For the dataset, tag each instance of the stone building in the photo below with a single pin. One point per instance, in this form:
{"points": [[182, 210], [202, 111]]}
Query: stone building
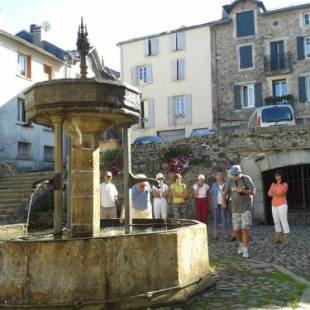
{"points": [[176, 92], [258, 57]]}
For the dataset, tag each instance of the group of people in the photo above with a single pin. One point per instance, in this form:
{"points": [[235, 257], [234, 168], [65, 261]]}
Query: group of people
{"points": [[230, 200]]}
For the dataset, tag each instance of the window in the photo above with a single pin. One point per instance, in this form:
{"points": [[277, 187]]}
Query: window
{"points": [[151, 47], [142, 75], [245, 24], [21, 113], [48, 153], [277, 55], [24, 150], [307, 18], [307, 47], [248, 96], [246, 57], [24, 65], [178, 69], [180, 107], [47, 72], [178, 41], [144, 113], [279, 88]]}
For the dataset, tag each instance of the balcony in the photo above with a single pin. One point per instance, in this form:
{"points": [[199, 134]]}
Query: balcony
{"points": [[274, 100], [281, 64]]}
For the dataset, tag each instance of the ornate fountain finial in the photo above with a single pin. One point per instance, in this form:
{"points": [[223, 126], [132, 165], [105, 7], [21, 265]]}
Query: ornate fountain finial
{"points": [[83, 48]]}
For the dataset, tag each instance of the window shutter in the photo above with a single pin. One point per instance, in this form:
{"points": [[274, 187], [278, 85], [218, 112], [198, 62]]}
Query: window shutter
{"points": [[173, 41], [181, 66], [245, 24], [149, 74], [171, 112], [28, 73], [146, 47], [181, 40], [237, 95], [188, 110], [246, 57], [300, 48], [155, 46], [174, 68], [134, 76], [302, 89], [258, 94], [151, 113]]}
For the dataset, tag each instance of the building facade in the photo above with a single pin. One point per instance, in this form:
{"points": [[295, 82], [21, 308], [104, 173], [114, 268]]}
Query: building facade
{"points": [[260, 57], [173, 72], [25, 59]]}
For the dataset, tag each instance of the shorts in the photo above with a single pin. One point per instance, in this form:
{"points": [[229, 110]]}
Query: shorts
{"points": [[242, 220]]}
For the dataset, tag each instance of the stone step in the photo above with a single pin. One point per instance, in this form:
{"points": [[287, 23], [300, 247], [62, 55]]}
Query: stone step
{"points": [[17, 195], [14, 200]]}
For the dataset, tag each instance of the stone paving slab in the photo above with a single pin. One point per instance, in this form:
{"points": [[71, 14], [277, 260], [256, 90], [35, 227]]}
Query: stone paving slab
{"points": [[275, 277]]}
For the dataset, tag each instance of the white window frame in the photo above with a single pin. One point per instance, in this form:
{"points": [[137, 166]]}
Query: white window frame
{"points": [[21, 111], [249, 99], [145, 116], [280, 81], [179, 104], [142, 75], [307, 55], [304, 18], [177, 39], [25, 69]]}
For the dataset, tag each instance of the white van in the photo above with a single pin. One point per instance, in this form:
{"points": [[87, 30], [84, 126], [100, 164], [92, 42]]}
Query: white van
{"points": [[273, 115]]}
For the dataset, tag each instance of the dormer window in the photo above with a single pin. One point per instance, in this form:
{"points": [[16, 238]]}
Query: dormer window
{"points": [[245, 24]]}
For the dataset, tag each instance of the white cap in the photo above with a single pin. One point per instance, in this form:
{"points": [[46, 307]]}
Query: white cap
{"points": [[108, 174], [159, 176], [201, 177]]}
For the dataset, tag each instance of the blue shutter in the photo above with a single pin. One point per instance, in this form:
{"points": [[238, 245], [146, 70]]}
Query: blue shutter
{"points": [[245, 24], [174, 70], [149, 74], [154, 46], [181, 69], [151, 113], [300, 48], [237, 95], [246, 57], [188, 109], [134, 76], [258, 94], [173, 42], [147, 47], [181, 40], [171, 112], [302, 89]]}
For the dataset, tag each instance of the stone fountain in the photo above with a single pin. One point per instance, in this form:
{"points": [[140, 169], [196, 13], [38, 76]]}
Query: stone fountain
{"points": [[92, 266]]}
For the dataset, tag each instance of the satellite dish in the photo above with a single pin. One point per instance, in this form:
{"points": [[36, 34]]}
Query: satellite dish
{"points": [[46, 26]]}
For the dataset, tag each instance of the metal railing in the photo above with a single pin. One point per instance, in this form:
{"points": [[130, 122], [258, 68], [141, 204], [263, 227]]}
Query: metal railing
{"points": [[280, 64]]}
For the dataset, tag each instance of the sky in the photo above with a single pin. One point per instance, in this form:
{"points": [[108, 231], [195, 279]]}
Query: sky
{"points": [[112, 21]]}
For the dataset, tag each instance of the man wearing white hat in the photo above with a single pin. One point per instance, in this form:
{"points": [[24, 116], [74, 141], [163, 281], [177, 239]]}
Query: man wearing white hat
{"points": [[108, 197], [160, 195]]}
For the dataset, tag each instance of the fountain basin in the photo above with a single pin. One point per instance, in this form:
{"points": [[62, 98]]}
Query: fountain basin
{"points": [[120, 271]]}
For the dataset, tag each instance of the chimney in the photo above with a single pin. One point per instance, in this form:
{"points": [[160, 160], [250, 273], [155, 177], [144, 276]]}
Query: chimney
{"points": [[36, 32]]}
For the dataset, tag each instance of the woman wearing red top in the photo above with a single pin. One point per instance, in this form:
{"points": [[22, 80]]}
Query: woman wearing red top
{"points": [[278, 191]]}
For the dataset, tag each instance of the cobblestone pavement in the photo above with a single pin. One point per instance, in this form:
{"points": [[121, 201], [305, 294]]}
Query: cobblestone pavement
{"points": [[254, 283]]}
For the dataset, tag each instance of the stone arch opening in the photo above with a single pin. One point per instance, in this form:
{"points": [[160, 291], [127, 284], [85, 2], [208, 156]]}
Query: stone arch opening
{"points": [[296, 164], [298, 179]]}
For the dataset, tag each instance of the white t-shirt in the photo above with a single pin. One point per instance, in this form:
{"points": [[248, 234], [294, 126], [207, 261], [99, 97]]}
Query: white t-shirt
{"points": [[220, 194], [107, 195], [202, 191], [161, 191]]}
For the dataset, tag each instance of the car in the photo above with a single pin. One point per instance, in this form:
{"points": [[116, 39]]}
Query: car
{"points": [[273, 115], [203, 132], [148, 140]]}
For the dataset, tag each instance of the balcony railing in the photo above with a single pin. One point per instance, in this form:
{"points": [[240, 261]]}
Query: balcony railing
{"points": [[278, 65]]}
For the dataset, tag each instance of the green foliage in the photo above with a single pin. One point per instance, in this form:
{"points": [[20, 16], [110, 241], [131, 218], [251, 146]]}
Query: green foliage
{"points": [[110, 157], [174, 151]]}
